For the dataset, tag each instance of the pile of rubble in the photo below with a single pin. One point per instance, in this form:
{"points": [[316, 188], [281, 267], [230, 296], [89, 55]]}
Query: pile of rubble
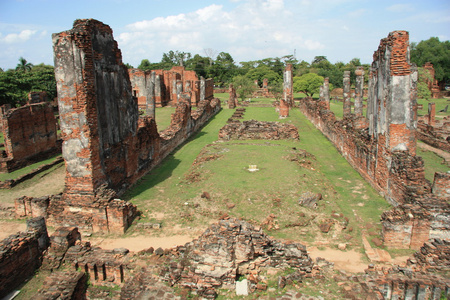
{"points": [[258, 130]]}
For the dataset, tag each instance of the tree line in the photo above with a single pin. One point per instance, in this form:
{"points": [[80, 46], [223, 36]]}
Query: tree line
{"points": [[15, 84]]}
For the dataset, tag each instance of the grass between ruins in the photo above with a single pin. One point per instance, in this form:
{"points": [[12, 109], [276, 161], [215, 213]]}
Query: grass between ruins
{"points": [[172, 193]]}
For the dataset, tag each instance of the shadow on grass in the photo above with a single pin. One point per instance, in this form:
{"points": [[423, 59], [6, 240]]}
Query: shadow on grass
{"points": [[166, 168], [162, 172]]}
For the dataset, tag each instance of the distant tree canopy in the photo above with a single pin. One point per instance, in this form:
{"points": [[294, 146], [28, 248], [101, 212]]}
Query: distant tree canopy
{"points": [[435, 52], [308, 84], [16, 84]]}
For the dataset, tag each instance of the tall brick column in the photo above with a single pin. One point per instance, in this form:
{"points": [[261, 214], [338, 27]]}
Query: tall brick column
{"points": [[431, 114], [288, 94], [392, 109], [359, 91], [98, 116], [326, 92], [232, 99], [347, 100]]}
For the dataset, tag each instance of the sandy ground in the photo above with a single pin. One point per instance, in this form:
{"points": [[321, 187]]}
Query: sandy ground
{"points": [[350, 260], [8, 228]]}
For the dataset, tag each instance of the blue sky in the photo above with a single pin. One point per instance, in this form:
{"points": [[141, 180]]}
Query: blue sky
{"points": [[247, 29]]}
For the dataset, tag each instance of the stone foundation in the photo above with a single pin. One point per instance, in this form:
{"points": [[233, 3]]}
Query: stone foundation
{"points": [[257, 130]]}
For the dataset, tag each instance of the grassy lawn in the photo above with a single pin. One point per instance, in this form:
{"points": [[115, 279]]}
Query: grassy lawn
{"points": [[174, 189], [433, 163], [163, 116], [26, 170], [440, 105]]}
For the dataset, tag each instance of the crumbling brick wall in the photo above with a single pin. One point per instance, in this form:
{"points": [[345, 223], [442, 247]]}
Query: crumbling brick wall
{"points": [[384, 151], [106, 147], [166, 90], [29, 132], [21, 255]]}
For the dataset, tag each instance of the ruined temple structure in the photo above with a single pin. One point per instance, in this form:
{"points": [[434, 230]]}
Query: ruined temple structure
{"points": [[433, 85], [30, 135], [382, 148], [106, 146], [159, 88]]}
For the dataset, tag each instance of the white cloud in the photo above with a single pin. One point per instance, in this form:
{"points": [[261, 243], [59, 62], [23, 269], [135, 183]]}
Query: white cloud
{"points": [[252, 30], [23, 36], [398, 8]]}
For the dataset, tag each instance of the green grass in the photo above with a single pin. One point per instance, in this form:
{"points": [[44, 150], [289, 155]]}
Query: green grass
{"points": [[2, 139], [440, 105], [174, 188], [163, 117], [27, 169], [433, 163]]}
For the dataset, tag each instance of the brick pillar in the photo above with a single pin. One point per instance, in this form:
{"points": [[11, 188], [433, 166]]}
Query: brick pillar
{"points": [[151, 96], [326, 92], [232, 99], [265, 83], [179, 87], [288, 94], [359, 91], [158, 99], [392, 106], [202, 88], [347, 100], [431, 114], [284, 109]]}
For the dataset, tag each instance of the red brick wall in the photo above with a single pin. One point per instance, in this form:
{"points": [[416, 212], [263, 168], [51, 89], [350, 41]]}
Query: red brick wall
{"points": [[104, 148], [29, 131]]}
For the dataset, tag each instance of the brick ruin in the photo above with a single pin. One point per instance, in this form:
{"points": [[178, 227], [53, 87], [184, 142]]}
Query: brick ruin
{"points": [[228, 250], [169, 87], [106, 146], [433, 85], [434, 132], [252, 129], [288, 93], [21, 255], [30, 135], [382, 146], [233, 100]]}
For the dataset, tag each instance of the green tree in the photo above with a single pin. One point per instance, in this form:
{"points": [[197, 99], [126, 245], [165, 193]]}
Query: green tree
{"points": [[145, 65], [261, 72], [23, 65], [176, 58], [200, 65], [276, 89], [436, 52], [223, 69], [15, 85], [308, 84], [244, 86], [129, 66]]}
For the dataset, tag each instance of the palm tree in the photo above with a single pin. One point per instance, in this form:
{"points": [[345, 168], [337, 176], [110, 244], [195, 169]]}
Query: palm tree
{"points": [[23, 65]]}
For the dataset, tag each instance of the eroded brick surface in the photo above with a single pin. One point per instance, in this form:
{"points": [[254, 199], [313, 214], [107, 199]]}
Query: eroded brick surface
{"points": [[21, 255], [29, 132], [382, 148]]}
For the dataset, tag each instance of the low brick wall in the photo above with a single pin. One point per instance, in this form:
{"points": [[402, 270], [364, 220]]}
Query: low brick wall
{"points": [[21, 255]]}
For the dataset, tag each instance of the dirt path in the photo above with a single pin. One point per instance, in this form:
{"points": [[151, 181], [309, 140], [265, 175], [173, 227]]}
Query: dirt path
{"points": [[8, 228], [350, 260]]}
